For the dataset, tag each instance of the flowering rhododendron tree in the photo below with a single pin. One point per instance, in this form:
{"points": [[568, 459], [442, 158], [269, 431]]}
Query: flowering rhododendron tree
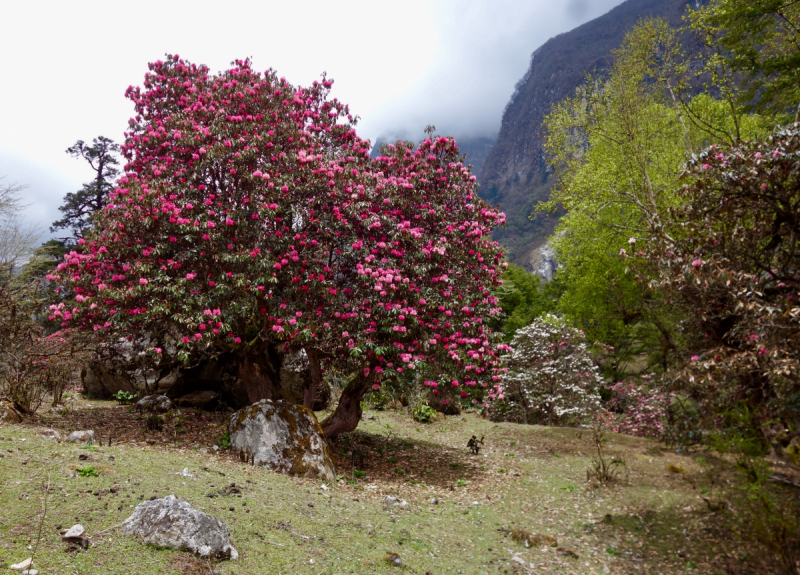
{"points": [[730, 259], [551, 378], [250, 220]]}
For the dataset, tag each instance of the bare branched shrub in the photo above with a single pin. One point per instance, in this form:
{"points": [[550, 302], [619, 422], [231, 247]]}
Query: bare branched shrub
{"points": [[33, 363], [604, 469]]}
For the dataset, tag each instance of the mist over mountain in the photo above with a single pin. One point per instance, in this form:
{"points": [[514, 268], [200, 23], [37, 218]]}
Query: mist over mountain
{"points": [[515, 173]]}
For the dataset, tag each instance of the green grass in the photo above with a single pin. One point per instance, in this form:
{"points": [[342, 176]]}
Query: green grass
{"points": [[350, 529]]}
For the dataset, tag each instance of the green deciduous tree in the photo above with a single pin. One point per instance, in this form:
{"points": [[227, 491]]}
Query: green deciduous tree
{"points": [[756, 43], [523, 298], [617, 148]]}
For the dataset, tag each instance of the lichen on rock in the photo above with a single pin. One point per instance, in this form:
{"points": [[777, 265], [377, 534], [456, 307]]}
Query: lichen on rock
{"points": [[173, 523], [283, 437]]}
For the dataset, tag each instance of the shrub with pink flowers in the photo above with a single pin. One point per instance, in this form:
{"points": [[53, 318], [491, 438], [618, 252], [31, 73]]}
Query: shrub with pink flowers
{"points": [[729, 260], [637, 407], [250, 220]]}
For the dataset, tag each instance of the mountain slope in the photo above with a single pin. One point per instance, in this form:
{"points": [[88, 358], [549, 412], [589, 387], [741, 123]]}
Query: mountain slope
{"points": [[515, 174]]}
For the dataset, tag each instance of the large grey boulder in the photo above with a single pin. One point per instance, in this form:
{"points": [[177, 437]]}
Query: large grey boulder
{"points": [[171, 522], [283, 437]]}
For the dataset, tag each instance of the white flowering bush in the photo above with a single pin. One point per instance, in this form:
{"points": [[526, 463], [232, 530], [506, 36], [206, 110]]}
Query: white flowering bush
{"points": [[550, 379]]}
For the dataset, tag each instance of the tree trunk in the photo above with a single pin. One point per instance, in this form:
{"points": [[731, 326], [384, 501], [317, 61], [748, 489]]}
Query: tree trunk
{"points": [[260, 373], [348, 412], [310, 392]]}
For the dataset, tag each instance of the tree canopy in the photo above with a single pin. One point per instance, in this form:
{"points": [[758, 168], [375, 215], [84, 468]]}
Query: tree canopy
{"points": [[81, 205], [251, 220]]}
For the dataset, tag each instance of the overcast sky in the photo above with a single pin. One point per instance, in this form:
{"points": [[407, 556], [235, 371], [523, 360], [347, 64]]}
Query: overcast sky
{"points": [[400, 65]]}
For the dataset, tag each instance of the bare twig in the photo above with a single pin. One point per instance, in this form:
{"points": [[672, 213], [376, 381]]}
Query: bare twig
{"points": [[41, 519]]}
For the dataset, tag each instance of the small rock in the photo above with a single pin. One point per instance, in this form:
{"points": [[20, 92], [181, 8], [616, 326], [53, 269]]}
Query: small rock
{"points": [[22, 564], [394, 559], [81, 436], [434, 501], [154, 404], [215, 448], [389, 500], [185, 472], [50, 434], [74, 531]]}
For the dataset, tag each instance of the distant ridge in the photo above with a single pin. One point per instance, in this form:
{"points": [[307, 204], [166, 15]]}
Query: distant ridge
{"points": [[515, 173]]}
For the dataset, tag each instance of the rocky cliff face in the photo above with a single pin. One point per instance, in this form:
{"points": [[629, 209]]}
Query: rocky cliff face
{"points": [[515, 173]]}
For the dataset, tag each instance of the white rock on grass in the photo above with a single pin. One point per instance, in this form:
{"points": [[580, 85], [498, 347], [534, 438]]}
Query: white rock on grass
{"points": [[389, 500], [171, 522], [22, 565], [74, 531], [81, 436], [283, 437]]}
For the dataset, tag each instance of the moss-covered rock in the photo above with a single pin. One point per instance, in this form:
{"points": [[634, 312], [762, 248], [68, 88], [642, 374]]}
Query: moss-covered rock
{"points": [[283, 437], [8, 414]]}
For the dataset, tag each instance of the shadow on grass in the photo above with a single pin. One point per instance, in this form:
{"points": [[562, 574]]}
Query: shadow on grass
{"points": [[694, 539], [403, 460]]}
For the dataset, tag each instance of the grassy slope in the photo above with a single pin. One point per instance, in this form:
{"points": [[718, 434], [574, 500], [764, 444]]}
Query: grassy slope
{"points": [[526, 476]]}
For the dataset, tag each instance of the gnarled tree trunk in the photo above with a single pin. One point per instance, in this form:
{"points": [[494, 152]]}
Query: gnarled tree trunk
{"points": [[348, 412], [260, 372], [310, 392]]}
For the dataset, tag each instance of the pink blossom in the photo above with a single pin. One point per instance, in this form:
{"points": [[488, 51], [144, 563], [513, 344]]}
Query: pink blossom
{"points": [[143, 281]]}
